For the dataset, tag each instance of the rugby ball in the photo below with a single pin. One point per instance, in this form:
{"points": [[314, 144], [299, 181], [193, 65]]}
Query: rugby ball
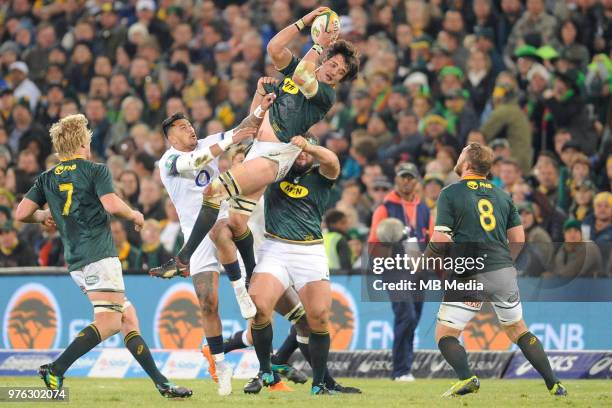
{"points": [[327, 22]]}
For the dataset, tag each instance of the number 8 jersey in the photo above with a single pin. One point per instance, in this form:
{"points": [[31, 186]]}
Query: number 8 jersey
{"points": [[477, 214], [73, 189]]}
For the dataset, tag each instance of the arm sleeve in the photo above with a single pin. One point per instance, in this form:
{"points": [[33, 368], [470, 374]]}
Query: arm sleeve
{"points": [[103, 181], [444, 216], [288, 70], [379, 214], [36, 193], [514, 219], [344, 253]]}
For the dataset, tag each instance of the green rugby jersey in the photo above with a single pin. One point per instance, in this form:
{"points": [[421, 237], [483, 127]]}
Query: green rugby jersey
{"points": [[292, 113], [73, 189], [477, 215], [294, 206]]}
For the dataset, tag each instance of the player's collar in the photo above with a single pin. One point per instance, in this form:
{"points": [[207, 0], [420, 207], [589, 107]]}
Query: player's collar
{"points": [[473, 178], [76, 156]]}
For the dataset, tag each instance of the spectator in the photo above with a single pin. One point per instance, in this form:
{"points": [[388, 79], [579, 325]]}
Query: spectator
{"points": [[171, 236], [153, 252], [13, 252], [576, 257], [95, 111], [480, 78], [51, 251], [597, 227], [459, 114], [432, 185], [508, 121], [582, 205], [569, 35], [130, 257], [534, 21], [37, 58], [510, 174], [336, 239], [22, 86], [129, 187], [150, 200], [538, 251]]}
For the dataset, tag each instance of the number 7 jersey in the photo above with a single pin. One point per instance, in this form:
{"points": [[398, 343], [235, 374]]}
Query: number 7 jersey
{"points": [[73, 189], [476, 213]]}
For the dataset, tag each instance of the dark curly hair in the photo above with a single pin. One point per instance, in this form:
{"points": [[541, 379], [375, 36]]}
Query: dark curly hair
{"points": [[350, 55]]}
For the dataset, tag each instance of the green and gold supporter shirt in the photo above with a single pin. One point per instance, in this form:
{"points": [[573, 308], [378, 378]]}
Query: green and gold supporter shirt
{"points": [[73, 189], [295, 206], [477, 215], [292, 113]]}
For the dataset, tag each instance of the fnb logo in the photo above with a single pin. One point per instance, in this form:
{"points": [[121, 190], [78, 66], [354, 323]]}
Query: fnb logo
{"points": [[32, 319], [343, 320], [293, 190], [60, 168], [178, 321]]}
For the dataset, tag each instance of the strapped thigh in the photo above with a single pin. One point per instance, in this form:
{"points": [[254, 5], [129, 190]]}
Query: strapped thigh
{"points": [[104, 306]]}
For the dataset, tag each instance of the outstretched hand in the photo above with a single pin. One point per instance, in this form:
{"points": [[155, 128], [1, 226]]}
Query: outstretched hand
{"points": [[309, 18], [267, 101], [300, 142], [243, 134]]}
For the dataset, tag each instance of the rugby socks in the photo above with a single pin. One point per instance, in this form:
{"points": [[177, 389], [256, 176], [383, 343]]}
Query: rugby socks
{"points": [[215, 344], [534, 352], [262, 340], [287, 348], [233, 271], [87, 339], [303, 344], [319, 343], [137, 346], [204, 223], [236, 342], [455, 355], [244, 244]]}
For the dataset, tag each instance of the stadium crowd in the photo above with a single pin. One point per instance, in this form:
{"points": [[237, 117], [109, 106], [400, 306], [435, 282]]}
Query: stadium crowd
{"points": [[531, 79]]}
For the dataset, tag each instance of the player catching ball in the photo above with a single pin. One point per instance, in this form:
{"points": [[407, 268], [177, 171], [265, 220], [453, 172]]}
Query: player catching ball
{"points": [[482, 219], [79, 194], [303, 98]]}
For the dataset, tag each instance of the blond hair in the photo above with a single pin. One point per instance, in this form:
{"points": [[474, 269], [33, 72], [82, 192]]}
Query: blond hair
{"points": [[69, 134]]}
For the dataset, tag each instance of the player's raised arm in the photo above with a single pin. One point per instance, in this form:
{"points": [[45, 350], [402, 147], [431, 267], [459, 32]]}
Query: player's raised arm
{"points": [[329, 163], [277, 47]]}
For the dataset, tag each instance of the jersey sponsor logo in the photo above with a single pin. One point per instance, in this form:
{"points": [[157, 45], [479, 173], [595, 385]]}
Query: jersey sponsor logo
{"points": [[483, 332], [290, 87], [472, 185], [293, 190], [32, 319], [178, 322], [202, 178], [344, 319], [60, 168], [92, 279]]}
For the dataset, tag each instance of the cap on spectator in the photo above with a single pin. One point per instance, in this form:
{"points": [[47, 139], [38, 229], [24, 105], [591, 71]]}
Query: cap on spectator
{"points": [[571, 144], [527, 51], [422, 41], [572, 223], [360, 94], [603, 197], [456, 93], [145, 5], [525, 207], [547, 53], [407, 169], [484, 32], [23, 101], [6, 91], [601, 59], [7, 211], [8, 226], [456, 71], [382, 182], [433, 118], [581, 159], [400, 89], [440, 49], [538, 69], [176, 10], [108, 7], [416, 78], [179, 66], [499, 143], [586, 184], [9, 46], [434, 177], [222, 46], [19, 66], [570, 77]]}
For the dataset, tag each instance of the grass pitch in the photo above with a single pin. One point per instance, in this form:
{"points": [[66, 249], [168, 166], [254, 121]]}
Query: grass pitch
{"points": [[107, 393]]}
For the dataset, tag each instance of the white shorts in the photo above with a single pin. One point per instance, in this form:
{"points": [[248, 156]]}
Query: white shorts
{"points": [[104, 275], [284, 154], [501, 289], [292, 264], [204, 258]]}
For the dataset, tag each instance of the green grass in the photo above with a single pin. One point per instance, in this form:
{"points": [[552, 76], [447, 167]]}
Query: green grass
{"points": [[107, 393]]}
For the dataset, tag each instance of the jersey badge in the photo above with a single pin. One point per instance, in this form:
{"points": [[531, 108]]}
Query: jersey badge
{"points": [[290, 87], [293, 190], [472, 185]]}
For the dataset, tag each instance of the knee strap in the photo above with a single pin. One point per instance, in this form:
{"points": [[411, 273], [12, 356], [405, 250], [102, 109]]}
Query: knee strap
{"points": [[242, 205], [295, 314], [104, 306], [229, 183]]}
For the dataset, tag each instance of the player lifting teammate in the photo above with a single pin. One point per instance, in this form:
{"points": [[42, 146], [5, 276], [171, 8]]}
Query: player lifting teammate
{"points": [[79, 194], [302, 99], [481, 218]]}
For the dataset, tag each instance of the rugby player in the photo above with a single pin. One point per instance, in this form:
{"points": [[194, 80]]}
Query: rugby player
{"points": [[79, 194], [185, 184], [481, 218], [293, 255], [303, 98]]}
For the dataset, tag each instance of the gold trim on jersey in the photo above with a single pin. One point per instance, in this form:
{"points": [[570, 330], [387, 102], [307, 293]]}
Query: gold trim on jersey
{"points": [[473, 178], [290, 241], [76, 156]]}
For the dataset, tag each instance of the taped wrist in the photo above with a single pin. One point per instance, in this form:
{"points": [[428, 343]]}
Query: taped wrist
{"points": [[259, 112], [317, 48], [299, 24]]}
